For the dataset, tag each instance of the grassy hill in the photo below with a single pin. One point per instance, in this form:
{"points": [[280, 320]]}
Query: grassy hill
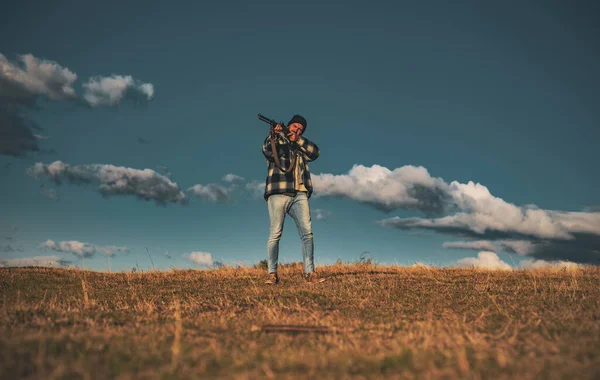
{"points": [[379, 321]]}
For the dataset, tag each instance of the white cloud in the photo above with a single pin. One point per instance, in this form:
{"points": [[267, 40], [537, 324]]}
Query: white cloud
{"points": [[580, 222], [147, 89], [233, 178], [110, 91], [470, 210], [40, 77], [36, 77], [322, 214], [413, 188], [543, 264], [535, 223], [37, 261], [211, 193], [145, 184], [200, 258], [485, 260], [81, 249], [30, 78], [487, 212], [521, 247], [477, 245], [421, 265], [408, 187], [75, 247], [58, 171]]}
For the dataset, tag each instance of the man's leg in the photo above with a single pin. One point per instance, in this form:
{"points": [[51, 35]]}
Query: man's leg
{"points": [[278, 204], [300, 212]]}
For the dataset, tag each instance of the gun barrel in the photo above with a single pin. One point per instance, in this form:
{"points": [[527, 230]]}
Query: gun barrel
{"points": [[266, 119], [284, 129]]}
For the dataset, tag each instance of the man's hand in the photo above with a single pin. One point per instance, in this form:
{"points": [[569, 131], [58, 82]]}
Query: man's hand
{"points": [[278, 130], [293, 136]]}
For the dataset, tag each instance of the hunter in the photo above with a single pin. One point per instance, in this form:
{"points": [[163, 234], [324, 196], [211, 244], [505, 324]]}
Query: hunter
{"points": [[288, 191]]}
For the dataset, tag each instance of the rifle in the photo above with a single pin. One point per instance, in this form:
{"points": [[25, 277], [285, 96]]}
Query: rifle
{"points": [[273, 123], [283, 136]]}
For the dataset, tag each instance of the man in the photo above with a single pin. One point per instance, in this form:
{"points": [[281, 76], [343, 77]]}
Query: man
{"points": [[288, 191]]}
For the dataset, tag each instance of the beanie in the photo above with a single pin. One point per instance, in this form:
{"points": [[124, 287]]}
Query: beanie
{"points": [[298, 119]]}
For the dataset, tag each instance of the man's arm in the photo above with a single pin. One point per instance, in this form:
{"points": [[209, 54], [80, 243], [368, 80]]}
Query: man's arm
{"points": [[309, 148]]}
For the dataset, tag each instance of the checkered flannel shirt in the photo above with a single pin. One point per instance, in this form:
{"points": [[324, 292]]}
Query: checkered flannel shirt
{"points": [[278, 182]]}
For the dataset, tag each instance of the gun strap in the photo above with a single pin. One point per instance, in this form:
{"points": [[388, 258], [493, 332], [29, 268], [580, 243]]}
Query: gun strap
{"points": [[277, 162]]}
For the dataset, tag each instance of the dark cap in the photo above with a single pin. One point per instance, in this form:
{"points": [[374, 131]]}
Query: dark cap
{"points": [[298, 119]]}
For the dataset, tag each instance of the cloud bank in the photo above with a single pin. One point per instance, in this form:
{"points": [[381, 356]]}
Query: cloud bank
{"points": [[30, 79], [521, 247], [477, 245], [144, 184], [408, 187], [490, 260], [82, 250], [543, 264], [467, 210], [35, 77], [37, 261]]}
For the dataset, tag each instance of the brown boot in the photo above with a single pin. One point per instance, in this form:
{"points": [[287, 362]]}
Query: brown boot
{"points": [[313, 278], [272, 279]]}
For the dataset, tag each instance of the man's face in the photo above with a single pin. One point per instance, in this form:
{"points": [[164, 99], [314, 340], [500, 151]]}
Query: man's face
{"points": [[296, 128]]}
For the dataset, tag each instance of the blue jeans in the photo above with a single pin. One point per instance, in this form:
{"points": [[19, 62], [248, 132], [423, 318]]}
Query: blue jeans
{"points": [[297, 207]]}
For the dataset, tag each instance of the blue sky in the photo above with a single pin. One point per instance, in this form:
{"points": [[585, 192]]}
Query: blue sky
{"points": [[487, 112]]}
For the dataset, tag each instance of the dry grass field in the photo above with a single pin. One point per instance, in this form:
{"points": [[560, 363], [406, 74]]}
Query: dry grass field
{"points": [[376, 322]]}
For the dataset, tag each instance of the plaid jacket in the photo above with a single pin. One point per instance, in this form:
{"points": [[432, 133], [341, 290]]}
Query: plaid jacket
{"points": [[278, 182]]}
